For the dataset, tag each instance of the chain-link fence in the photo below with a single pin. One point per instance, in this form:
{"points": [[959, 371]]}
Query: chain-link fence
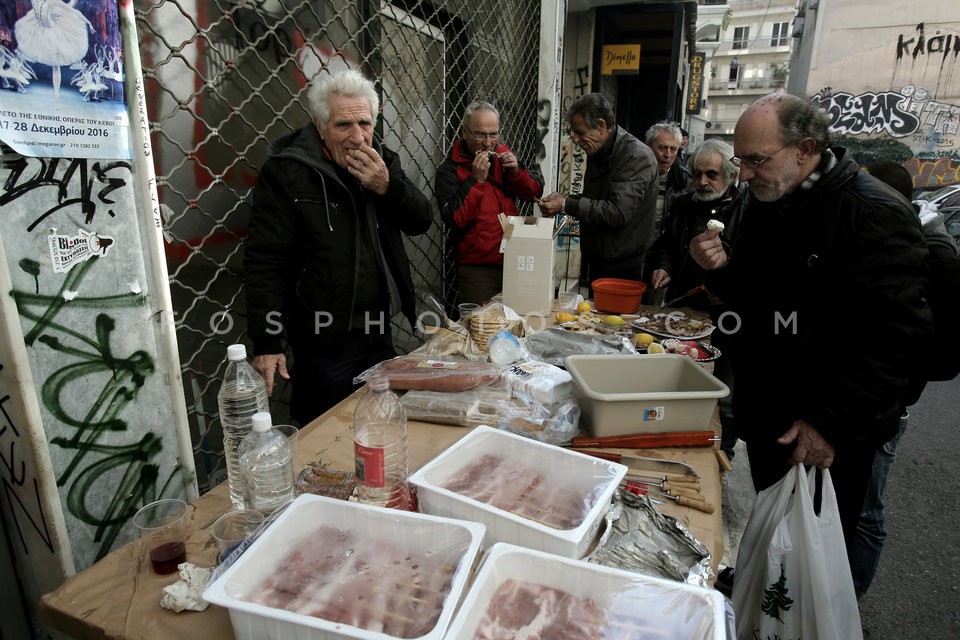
{"points": [[225, 78]]}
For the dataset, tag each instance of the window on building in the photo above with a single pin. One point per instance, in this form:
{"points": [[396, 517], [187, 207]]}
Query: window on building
{"points": [[734, 76], [780, 34], [740, 37]]}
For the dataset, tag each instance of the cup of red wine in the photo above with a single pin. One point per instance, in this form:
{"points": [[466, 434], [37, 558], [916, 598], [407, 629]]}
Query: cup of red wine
{"points": [[163, 533]]}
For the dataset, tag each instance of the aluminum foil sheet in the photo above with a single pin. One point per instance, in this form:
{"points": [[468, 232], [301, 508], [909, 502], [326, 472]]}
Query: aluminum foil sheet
{"points": [[640, 538], [553, 345]]}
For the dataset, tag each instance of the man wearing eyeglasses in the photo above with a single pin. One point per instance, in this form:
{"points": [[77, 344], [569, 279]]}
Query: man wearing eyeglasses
{"points": [[480, 179], [828, 281], [617, 208]]}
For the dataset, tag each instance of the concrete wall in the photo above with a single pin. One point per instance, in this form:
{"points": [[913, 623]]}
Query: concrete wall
{"points": [[887, 71]]}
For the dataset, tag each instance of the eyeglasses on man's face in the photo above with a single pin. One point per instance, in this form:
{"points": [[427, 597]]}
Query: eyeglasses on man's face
{"points": [[755, 162], [483, 135]]}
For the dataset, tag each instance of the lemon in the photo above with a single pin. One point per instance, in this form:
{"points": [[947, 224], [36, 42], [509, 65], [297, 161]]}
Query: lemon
{"points": [[584, 307], [616, 321], [656, 347], [644, 339], [566, 317]]}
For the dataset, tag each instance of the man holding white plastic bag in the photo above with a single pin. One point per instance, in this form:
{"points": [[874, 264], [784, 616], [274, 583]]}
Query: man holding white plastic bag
{"points": [[827, 283]]}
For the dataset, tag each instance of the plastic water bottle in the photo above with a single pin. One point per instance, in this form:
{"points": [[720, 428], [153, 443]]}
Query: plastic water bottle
{"points": [[380, 447], [242, 394], [266, 462]]}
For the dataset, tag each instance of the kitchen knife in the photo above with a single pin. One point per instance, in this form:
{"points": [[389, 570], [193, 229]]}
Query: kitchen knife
{"points": [[671, 469], [697, 289]]}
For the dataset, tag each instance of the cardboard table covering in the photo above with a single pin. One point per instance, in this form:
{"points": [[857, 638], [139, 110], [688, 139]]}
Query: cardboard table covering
{"points": [[119, 597]]}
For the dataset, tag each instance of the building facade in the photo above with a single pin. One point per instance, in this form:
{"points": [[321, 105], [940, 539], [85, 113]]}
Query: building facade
{"points": [[747, 45], [888, 75]]}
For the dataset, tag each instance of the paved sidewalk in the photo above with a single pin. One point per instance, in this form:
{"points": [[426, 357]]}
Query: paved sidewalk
{"points": [[737, 500]]}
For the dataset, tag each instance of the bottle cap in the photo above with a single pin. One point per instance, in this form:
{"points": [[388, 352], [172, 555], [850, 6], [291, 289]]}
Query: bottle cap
{"points": [[236, 352], [261, 421]]}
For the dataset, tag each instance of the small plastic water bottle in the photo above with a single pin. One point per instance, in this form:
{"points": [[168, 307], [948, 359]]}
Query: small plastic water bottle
{"points": [[380, 447], [266, 461], [242, 394]]}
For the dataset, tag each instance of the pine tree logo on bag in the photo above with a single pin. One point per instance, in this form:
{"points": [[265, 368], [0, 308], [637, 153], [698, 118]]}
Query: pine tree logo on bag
{"points": [[775, 598]]}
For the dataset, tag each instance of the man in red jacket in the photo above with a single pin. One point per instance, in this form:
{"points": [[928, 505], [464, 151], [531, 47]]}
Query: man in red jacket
{"points": [[480, 179]]}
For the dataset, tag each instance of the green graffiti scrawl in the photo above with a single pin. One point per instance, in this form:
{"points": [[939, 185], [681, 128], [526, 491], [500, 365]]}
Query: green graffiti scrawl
{"points": [[89, 396]]}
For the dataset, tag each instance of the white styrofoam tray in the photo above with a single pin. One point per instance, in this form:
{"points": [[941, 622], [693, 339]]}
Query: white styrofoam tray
{"points": [[567, 469], [668, 609], [414, 532], [628, 394]]}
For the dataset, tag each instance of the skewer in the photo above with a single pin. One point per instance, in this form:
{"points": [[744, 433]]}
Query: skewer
{"points": [[684, 501]]}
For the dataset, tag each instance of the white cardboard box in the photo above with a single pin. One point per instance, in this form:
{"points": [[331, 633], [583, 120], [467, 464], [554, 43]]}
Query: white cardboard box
{"points": [[528, 264], [408, 532], [569, 472], [634, 605]]}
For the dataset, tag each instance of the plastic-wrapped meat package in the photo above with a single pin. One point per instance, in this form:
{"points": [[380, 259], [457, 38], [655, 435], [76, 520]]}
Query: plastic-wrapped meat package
{"points": [[510, 486], [419, 372], [523, 594], [366, 583]]}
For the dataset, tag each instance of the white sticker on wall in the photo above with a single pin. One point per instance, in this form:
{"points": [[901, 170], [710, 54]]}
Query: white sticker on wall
{"points": [[66, 251]]}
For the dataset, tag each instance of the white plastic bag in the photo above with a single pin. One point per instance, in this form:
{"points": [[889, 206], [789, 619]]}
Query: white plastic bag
{"points": [[793, 578]]}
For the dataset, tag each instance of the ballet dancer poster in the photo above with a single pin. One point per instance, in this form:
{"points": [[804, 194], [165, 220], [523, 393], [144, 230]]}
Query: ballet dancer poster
{"points": [[61, 79]]}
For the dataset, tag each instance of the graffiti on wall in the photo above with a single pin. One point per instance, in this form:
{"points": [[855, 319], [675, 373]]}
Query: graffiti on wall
{"points": [[92, 374], [21, 487], [916, 45], [928, 127], [909, 111]]}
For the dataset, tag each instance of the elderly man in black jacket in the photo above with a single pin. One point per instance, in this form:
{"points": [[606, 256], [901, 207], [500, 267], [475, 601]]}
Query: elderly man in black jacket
{"points": [[828, 278], [325, 261], [617, 209]]}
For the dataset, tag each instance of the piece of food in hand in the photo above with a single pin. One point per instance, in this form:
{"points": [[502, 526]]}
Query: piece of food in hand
{"points": [[643, 340], [566, 317], [616, 321], [584, 307], [656, 347], [714, 224]]}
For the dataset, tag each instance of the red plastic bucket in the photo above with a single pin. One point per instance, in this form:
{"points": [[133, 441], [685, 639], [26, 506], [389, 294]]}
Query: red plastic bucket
{"points": [[616, 295]]}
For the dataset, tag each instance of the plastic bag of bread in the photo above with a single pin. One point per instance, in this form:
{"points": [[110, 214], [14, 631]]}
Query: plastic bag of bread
{"points": [[488, 320]]}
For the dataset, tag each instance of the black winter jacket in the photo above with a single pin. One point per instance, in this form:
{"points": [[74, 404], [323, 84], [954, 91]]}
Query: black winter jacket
{"points": [[688, 218], [829, 285], [301, 255], [618, 208]]}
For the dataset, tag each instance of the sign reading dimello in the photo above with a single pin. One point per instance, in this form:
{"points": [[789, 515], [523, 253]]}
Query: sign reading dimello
{"points": [[695, 83], [620, 59]]}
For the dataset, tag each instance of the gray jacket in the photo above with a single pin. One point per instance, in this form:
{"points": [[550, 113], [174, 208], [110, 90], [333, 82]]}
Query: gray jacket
{"points": [[617, 209]]}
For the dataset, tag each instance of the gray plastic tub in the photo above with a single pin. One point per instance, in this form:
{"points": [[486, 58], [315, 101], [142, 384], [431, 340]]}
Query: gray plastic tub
{"points": [[627, 394]]}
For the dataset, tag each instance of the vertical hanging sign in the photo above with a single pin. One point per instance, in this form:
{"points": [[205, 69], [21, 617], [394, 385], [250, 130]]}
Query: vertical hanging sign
{"points": [[61, 79], [695, 83]]}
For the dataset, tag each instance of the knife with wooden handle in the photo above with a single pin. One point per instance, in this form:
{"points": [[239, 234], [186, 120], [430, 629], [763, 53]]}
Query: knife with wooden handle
{"points": [[651, 440]]}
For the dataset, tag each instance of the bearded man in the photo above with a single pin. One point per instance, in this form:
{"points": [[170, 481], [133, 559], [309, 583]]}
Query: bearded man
{"points": [[717, 195]]}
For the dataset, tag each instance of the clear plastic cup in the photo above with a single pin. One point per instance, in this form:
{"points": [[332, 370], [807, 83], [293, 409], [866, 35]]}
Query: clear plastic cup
{"points": [[234, 527], [567, 299], [291, 432], [163, 532], [467, 309]]}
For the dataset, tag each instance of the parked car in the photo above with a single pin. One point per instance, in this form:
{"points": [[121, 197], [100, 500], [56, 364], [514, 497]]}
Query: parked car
{"points": [[946, 202], [948, 196]]}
